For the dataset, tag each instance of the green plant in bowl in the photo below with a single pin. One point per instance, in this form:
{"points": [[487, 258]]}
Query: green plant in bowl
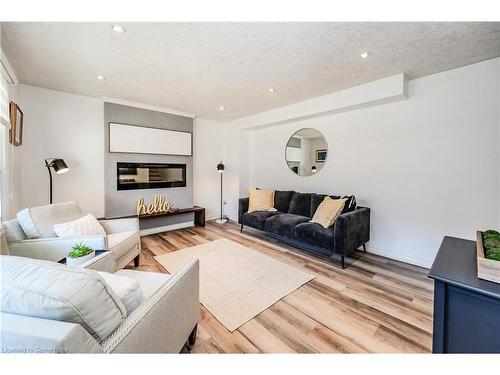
{"points": [[79, 250], [493, 253], [491, 243]]}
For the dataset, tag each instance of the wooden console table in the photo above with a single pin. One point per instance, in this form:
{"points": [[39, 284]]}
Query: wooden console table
{"points": [[199, 215], [466, 308]]}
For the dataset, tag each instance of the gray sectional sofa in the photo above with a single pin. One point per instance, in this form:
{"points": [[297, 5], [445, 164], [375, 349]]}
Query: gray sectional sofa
{"points": [[291, 224], [47, 307]]}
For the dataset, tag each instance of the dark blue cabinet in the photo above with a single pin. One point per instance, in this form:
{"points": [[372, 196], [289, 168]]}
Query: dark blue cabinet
{"points": [[466, 309]]}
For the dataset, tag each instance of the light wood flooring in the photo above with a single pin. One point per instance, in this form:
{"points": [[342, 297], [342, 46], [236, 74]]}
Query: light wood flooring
{"points": [[375, 305]]}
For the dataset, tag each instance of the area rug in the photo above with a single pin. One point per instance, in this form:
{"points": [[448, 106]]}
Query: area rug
{"points": [[236, 282]]}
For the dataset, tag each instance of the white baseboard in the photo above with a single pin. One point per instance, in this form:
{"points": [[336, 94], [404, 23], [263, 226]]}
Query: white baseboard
{"points": [[403, 258], [166, 228]]}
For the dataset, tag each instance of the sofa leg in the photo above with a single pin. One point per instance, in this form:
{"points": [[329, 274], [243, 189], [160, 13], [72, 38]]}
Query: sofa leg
{"points": [[136, 260], [364, 248], [241, 229], [192, 337], [342, 261]]}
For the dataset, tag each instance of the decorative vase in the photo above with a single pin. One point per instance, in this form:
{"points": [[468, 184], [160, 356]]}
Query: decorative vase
{"points": [[79, 260]]}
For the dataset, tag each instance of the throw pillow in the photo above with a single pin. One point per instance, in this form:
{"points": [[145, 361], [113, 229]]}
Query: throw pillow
{"points": [[350, 204], [260, 200], [328, 211], [127, 289], [38, 222], [85, 226]]}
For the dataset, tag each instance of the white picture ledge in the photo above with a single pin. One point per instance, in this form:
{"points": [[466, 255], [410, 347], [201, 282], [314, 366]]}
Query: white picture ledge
{"points": [[145, 140]]}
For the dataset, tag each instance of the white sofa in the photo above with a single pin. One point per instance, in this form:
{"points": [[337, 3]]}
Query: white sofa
{"points": [[83, 313], [31, 235]]}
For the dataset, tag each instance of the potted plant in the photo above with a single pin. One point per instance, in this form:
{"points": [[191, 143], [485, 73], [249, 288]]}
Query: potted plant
{"points": [[79, 254]]}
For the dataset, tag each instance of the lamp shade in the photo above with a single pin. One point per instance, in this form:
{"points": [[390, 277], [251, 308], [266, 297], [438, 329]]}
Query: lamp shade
{"points": [[220, 167], [59, 166]]}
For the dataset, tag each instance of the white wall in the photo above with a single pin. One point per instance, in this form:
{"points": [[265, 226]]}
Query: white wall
{"points": [[427, 166], [239, 150], [66, 126], [208, 151]]}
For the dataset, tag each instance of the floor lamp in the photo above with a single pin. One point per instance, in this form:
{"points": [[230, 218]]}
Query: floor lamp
{"points": [[59, 167], [223, 219]]}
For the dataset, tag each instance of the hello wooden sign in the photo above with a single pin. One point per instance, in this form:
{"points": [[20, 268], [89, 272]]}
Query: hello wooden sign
{"points": [[157, 206]]}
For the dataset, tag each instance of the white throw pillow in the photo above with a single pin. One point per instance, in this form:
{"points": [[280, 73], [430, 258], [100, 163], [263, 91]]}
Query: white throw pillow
{"points": [[48, 290], [84, 226], [127, 289], [38, 222]]}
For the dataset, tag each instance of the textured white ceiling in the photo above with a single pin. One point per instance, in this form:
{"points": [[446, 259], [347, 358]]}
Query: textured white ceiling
{"points": [[197, 67]]}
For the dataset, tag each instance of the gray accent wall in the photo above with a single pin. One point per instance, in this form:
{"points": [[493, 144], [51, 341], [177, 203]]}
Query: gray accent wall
{"points": [[121, 203]]}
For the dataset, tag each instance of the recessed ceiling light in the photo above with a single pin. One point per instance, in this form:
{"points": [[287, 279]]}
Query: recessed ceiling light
{"points": [[365, 55], [101, 78], [272, 90], [118, 28], [221, 108]]}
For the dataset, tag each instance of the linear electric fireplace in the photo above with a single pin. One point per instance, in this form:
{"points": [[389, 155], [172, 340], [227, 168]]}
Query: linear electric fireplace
{"points": [[133, 176]]}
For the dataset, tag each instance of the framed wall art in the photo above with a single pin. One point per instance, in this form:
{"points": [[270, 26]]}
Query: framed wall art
{"points": [[321, 156], [16, 125]]}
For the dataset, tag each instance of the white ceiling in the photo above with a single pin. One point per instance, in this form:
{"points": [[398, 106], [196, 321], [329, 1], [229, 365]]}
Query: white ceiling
{"points": [[308, 133], [197, 67]]}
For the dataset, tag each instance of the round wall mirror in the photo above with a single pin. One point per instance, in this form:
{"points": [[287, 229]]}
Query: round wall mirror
{"points": [[306, 152]]}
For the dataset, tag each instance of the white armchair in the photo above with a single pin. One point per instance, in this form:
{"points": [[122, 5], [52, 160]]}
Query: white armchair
{"points": [[123, 240], [122, 235]]}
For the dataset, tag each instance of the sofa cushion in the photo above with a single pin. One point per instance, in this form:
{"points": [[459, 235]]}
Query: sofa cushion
{"points": [[127, 289], [284, 224], [300, 204], [121, 243], [282, 200], [314, 234], [13, 231], [257, 219], [38, 222], [84, 226], [4, 247], [316, 199], [49, 290]]}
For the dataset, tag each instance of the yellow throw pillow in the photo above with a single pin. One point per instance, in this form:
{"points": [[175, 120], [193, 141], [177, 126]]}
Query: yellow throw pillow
{"points": [[260, 200], [328, 211]]}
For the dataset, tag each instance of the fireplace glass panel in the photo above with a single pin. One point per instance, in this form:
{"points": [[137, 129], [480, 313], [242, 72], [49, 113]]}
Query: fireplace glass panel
{"points": [[133, 176]]}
